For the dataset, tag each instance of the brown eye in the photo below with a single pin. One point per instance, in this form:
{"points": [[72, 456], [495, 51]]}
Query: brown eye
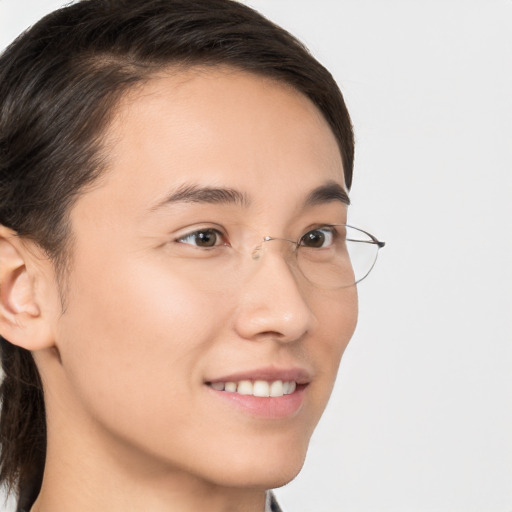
{"points": [[317, 238], [203, 238]]}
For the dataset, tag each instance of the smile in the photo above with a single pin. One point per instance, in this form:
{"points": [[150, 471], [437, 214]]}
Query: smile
{"points": [[259, 388]]}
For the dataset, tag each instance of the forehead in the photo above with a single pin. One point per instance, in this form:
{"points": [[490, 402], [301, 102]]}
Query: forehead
{"points": [[217, 127]]}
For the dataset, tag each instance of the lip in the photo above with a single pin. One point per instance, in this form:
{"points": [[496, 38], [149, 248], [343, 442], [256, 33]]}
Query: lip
{"points": [[299, 375], [268, 408]]}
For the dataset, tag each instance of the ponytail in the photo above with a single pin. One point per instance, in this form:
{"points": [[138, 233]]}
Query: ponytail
{"points": [[22, 425]]}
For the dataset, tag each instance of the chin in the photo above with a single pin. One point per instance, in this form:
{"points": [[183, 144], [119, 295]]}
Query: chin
{"points": [[263, 478], [263, 470], [278, 479]]}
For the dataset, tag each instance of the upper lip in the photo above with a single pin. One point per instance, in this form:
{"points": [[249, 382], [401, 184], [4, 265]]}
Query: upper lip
{"points": [[271, 374]]}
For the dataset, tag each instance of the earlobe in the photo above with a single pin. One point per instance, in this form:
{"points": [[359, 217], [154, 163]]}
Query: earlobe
{"points": [[21, 319]]}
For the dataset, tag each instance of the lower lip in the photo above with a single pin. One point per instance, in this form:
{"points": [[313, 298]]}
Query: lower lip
{"points": [[265, 407]]}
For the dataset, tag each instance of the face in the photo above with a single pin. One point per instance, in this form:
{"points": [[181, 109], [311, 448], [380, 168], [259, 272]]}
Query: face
{"points": [[164, 308]]}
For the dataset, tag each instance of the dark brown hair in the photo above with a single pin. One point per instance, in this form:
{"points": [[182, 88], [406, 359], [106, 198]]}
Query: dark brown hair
{"points": [[59, 84]]}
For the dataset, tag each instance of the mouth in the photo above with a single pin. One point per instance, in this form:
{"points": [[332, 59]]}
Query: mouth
{"points": [[266, 393], [259, 388]]}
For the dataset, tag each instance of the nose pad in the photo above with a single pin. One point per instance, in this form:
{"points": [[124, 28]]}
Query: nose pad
{"points": [[287, 253], [288, 248], [256, 253]]}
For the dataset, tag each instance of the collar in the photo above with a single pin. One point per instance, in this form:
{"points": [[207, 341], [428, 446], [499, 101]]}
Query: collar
{"points": [[271, 504]]}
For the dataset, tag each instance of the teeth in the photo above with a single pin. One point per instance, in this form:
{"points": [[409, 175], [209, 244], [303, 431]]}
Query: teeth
{"points": [[244, 387], [230, 387], [259, 388], [276, 388]]}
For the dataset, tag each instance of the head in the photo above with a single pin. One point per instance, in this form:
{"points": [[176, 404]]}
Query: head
{"points": [[128, 125]]}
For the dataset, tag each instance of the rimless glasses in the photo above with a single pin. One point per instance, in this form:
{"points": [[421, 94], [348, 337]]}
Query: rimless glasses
{"points": [[329, 256]]}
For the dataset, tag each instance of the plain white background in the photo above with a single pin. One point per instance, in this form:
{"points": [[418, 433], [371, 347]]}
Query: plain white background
{"points": [[421, 417]]}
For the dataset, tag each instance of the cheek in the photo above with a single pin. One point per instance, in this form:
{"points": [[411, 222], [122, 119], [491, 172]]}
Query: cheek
{"points": [[337, 320], [130, 344], [337, 316]]}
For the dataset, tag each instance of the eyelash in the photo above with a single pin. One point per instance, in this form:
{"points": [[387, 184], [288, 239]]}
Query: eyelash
{"points": [[333, 232], [205, 233], [196, 234]]}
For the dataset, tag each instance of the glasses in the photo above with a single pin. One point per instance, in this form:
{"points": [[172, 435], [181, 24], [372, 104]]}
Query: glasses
{"points": [[329, 257]]}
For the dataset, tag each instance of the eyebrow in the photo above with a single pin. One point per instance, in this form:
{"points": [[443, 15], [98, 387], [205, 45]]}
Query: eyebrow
{"points": [[330, 191], [198, 194]]}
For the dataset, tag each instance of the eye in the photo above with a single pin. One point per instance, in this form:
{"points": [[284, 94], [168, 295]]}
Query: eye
{"points": [[318, 238], [203, 238]]}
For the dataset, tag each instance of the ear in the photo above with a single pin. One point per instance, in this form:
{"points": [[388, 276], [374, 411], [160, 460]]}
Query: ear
{"points": [[22, 319]]}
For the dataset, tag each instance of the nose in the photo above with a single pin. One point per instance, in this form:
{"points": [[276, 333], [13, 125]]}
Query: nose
{"points": [[272, 303]]}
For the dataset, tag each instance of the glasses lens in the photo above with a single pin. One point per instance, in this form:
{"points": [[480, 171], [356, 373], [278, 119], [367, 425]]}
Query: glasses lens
{"points": [[347, 260], [363, 251]]}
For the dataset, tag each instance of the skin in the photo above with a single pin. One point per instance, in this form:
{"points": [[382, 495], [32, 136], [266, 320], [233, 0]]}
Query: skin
{"points": [[131, 423]]}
